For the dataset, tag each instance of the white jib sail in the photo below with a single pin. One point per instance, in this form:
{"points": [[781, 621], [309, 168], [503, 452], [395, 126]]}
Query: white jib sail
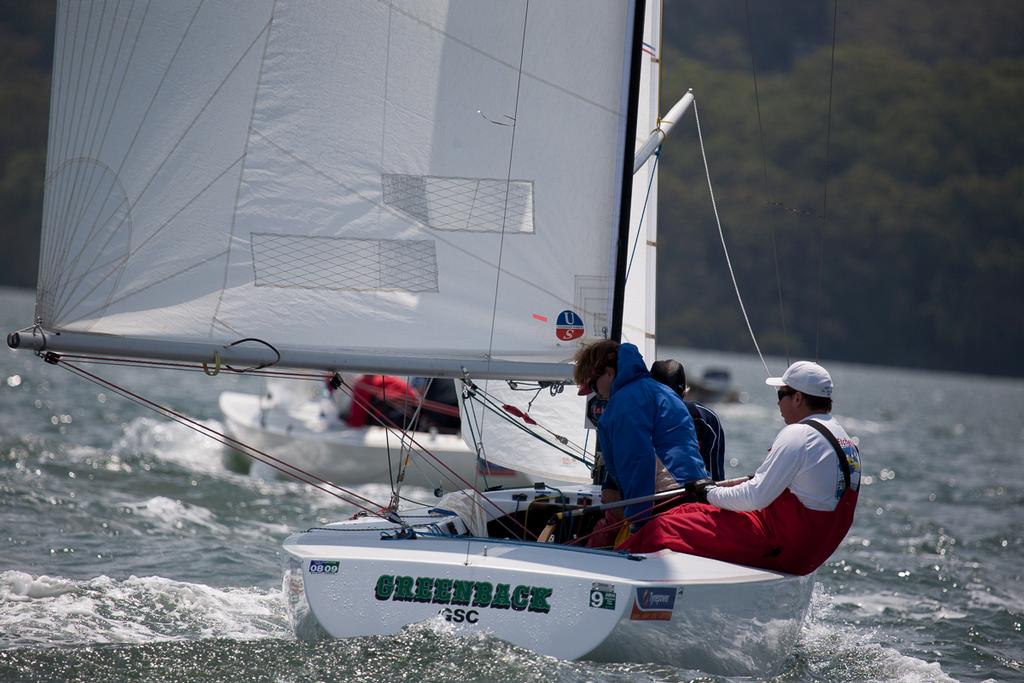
{"points": [[418, 179]]}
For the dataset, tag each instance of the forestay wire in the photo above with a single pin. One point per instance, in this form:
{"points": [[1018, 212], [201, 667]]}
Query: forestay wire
{"points": [[725, 249]]}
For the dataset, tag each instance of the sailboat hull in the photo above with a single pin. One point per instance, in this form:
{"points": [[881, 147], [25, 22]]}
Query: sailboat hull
{"points": [[360, 578], [302, 436]]}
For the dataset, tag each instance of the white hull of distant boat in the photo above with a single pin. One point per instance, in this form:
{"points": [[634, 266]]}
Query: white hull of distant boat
{"points": [[556, 600], [302, 435]]}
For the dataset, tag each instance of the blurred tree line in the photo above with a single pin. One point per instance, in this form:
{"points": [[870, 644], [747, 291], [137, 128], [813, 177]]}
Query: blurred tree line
{"points": [[26, 57], [922, 253]]}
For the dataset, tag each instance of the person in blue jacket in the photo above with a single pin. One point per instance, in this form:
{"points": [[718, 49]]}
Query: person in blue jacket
{"points": [[647, 436]]}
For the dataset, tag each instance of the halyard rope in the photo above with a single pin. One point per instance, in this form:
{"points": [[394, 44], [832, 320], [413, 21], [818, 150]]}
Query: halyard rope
{"points": [[725, 249]]}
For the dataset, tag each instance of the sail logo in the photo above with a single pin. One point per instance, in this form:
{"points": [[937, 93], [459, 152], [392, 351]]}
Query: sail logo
{"points": [[653, 604], [568, 326], [442, 591]]}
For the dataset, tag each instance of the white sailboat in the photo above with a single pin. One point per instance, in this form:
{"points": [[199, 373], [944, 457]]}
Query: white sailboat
{"points": [[433, 188], [299, 424]]}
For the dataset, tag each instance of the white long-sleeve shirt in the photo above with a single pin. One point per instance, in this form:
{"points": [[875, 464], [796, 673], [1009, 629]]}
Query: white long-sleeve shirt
{"points": [[801, 460]]}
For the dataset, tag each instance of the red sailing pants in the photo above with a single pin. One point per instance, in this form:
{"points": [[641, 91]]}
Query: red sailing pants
{"points": [[786, 536]]}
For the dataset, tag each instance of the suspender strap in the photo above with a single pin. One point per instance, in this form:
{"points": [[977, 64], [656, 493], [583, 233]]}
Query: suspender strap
{"points": [[844, 465]]}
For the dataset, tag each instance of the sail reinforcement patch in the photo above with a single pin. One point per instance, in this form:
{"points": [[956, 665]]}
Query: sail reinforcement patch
{"points": [[464, 204], [344, 263]]}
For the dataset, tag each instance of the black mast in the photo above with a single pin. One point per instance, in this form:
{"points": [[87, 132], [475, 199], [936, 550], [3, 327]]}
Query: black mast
{"points": [[622, 244]]}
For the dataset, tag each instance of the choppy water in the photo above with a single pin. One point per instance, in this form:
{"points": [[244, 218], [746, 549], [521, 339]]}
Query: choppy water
{"points": [[130, 553]]}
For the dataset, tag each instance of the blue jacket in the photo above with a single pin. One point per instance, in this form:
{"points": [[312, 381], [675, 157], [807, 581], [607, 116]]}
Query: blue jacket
{"points": [[644, 423]]}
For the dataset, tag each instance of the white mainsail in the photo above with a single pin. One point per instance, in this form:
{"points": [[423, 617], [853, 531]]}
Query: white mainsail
{"points": [[513, 442], [392, 180]]}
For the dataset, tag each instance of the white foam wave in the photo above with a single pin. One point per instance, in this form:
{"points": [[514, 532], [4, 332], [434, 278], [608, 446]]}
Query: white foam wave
{"points": [[908, 606], [62, 612], [174, 443], [839, 652], [170, 515]]}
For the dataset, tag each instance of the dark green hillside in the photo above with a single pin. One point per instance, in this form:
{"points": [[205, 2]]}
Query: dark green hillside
{"points": [[923, 247], [924, 243]]}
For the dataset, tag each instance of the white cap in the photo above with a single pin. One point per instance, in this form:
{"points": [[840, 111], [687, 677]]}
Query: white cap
{"points": [[806, 377]]}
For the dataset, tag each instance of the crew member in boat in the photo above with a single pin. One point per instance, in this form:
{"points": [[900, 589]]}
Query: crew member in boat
{"points": [[796, 508], [710, 436], [381, 399], [647, 436]]}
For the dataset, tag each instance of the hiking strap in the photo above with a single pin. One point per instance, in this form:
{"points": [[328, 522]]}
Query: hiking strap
{"points": [[844, 465]]}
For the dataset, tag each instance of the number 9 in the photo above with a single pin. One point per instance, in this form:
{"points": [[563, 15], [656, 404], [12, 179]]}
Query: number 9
{"points": [[596, 598]]}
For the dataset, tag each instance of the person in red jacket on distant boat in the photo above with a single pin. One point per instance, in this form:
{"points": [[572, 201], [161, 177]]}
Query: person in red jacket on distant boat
{"points": [[381, 395], [794, 511]]}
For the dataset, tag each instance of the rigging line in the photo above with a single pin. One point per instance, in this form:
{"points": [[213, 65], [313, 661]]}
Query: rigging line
{"points": [[824, 202], [387, 424], [643, 212], [504, 213], [489, 404], [405, 455], [296, 472], [721, 235], [764, 176], [452, 476], [497, 407], [666, 503], [470, 422], [508, 184], [387, 442], [183, 366]]}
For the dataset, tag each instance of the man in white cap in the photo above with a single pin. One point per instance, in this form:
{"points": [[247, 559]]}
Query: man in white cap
{"points": [[796, 508]]}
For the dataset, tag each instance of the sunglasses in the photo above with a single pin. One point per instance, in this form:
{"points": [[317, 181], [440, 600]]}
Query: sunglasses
{"points": [[784, 392], [590, 386]]}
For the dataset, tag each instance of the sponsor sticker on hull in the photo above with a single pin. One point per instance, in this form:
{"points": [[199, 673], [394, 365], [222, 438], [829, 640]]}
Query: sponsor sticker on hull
{"points": [[602, 596], [653, 604]]}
